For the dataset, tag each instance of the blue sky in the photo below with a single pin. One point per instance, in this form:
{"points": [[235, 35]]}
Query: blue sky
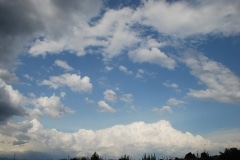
{"points": [[119, 78]]}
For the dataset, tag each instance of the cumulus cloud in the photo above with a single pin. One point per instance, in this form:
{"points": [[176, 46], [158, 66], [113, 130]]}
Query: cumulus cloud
{"points": [[73, 81], [174, 101], [52, 106], [221, 83], [23, 20], [110, 95], [154, 56], [12, 102], [104, 107], [125, 70], [63, 64], [114, 31], [162, 110], [133, 139]]}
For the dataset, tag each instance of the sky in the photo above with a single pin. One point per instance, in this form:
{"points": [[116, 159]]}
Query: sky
{"points": [[119, 77]]}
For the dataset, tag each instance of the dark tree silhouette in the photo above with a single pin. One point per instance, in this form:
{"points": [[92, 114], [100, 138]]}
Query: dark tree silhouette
{"points": [[230, 154], [190, 156], [205, 156], [125, 157], [95, 156]]}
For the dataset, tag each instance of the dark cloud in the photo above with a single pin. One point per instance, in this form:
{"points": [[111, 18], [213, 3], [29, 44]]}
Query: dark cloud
{"points": [[7, 111], [22, 20], [10, 103], [18, 21]]}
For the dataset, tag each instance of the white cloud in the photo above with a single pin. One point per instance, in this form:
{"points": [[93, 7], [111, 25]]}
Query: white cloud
{"points": [[133, 139], [174, 101], [184, 18], [73, 81], [124, 69], [221, 83], [162, 110], [104, 107], [127, 98], [28, 77], [110, 95], [140, 73], [108, 68], [52, 106], [171, 85], [154, 56], [114, 31], [63, 64], [88, 100]]}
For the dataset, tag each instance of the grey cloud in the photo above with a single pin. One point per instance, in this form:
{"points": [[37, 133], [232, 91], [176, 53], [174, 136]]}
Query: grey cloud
{"points": [[15, 128], [22, 20], [18, 21], [21, 139], [11, 102], [6, 76], [7, 111]]}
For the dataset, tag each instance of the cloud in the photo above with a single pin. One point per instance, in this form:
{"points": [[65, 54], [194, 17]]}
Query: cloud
{"points": [[104, 107], [133, 139], [73, 81], [162, 110], [88, 100], [174, 101], [21, 139], [24, 20], [12, 102], [113, 32], [185, 18], [110, 95], [124, 69], [171, 85], [154, 56], [118, 30], [63, 64], [127, 98], [140, 73], [222, 85], [8, 77], [28, 77], [52, 106]]}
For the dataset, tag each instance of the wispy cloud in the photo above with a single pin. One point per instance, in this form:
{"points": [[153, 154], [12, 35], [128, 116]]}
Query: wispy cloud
{"points": [[125, 70], [162, 110], [174, 101], [63, 64], [221, 83]]}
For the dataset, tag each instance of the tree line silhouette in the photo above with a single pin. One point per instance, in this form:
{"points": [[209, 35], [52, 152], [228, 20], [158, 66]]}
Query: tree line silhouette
{"points": [[228, 154]]}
